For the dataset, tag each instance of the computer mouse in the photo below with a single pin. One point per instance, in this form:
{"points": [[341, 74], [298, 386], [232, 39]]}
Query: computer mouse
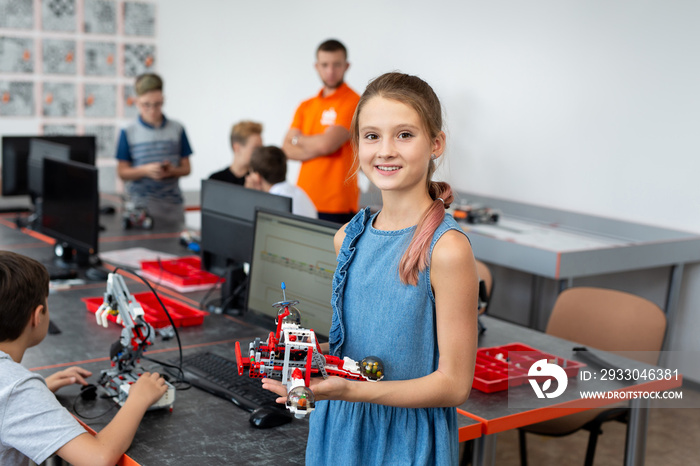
{"points": [[88, 392], [265, 417]]}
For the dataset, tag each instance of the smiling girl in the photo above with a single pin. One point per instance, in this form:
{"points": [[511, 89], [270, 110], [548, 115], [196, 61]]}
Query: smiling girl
{"points": [[405, 290]]}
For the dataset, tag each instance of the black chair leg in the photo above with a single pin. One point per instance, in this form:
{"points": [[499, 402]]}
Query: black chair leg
{"points": [[592, 442], [523, 447], [467, 453]]}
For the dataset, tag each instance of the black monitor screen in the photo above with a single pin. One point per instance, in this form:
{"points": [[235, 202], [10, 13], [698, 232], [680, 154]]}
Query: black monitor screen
{"points": [[39, 150], [70, 211], [82, 148], [298, 251], [15, 154], [228, 216]]}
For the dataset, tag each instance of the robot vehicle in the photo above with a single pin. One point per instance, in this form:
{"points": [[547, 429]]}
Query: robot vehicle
{"points": [[136, 217], [292, 354], [476, 214]]}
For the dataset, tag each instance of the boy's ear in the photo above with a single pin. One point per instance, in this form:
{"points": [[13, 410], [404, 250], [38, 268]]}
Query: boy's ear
{"points": [[36, 315]]}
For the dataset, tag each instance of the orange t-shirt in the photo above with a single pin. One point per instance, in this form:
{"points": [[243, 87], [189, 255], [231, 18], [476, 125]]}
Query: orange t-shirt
{"points": [[329, 180]]}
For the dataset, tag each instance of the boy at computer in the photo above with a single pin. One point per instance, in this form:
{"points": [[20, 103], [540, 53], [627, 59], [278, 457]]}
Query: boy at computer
{"points": [[245, 137], [268, 173], [33, 424]]}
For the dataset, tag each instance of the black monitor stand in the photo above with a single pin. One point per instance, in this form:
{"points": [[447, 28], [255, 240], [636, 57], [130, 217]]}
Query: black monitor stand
{"points": [[66, 256], [69, 258], [33, 220], [234, 290]]}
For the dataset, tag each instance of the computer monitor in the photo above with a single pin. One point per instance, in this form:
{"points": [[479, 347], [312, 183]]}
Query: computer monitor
{"points": [[15, 155], [227, 226], [40, 150], [83, 149], [70, 212], [15, 152], [298, 251]]}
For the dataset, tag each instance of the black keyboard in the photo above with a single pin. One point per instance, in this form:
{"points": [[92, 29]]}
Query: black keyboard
{"points": [[219, 376]]}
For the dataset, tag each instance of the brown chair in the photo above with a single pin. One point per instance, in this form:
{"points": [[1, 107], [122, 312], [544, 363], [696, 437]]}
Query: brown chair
{"points": [[485, 286], [607, 320]]}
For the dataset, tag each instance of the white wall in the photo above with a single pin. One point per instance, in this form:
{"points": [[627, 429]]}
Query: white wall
{"points": [[589, 106]]}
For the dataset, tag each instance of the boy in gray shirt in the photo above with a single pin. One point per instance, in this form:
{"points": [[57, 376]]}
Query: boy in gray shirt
{"points": [[33, 424]]}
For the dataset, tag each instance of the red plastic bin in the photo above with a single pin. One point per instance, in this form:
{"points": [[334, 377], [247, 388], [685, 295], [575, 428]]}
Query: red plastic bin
{"points": [[185, 271], [182, 315], [496, 369]]}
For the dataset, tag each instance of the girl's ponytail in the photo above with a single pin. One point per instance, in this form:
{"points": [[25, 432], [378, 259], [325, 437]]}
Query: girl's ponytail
{"points": [[415, 259]]}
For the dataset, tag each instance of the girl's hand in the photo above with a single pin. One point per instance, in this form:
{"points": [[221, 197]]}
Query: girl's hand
{"points": [[276, 386], [332, 388]]}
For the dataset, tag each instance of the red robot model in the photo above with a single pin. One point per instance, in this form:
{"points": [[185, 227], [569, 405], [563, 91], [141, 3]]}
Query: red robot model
{"points": [[292, 354]]}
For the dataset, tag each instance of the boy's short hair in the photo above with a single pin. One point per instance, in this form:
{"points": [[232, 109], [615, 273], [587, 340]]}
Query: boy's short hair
{"points": [[270, 162], [332, 45], [241, 131], [148, 82], [24, 285]]}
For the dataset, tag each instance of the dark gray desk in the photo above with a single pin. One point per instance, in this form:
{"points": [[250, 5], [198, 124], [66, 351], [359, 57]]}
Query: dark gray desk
{"points": [[202, 428], [562, 246]]}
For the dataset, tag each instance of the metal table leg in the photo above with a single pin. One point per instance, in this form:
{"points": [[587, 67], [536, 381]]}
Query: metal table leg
{"points": [[635, 448], [485, 450]]}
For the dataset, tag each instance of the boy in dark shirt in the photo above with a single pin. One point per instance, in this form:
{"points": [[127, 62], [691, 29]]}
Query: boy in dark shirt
{"points": [[246, 136]]}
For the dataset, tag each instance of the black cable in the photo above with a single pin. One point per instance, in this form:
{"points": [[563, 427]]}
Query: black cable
{"points": [[203, 303], [83, 416], [147, 283], [235, 294], [179, 379], [161, 269], [75, 407], [211, 302]]}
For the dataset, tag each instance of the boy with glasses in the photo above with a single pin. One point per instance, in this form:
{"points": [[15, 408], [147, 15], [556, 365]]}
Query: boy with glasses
{"points": [[153, 153]]}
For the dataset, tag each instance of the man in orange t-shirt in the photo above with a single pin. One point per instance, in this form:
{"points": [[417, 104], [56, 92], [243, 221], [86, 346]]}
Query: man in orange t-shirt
{"points": [[320, 138]]}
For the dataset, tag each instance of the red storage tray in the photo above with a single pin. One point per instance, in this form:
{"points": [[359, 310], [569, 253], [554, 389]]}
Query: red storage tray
{"points": [[182, 315], [496, 369], [185, 271]]}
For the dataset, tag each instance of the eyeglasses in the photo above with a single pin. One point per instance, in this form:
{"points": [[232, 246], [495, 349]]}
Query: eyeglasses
{"points": [[150, 105]]}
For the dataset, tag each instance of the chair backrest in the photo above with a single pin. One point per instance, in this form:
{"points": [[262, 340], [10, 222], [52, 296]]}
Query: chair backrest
{"points": [[485, 275], [609, 320]]}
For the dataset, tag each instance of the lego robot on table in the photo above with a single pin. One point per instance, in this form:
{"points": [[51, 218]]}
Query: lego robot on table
{"points": [[292, 354], [125, 354]]}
